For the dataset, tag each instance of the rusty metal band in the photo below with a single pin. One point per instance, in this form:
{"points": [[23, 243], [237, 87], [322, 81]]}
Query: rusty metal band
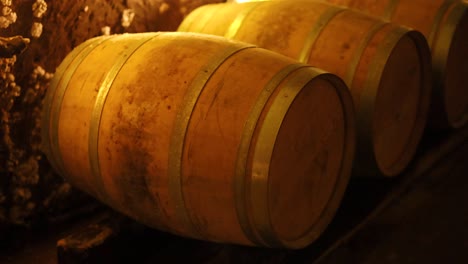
{"points": [[263, 152], [243, 151], [349, 146], [317, 28], [55, 95], [365, 154], [431, 39], [49, 98], [346, 163], [441, 48], [188, 22], [179, 132], [390, 9], [104, 88], [235, 26], [352, 67], [422, 105]]}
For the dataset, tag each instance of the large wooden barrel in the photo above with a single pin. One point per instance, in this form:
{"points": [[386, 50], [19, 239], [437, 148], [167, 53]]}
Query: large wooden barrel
{"points": [[445, 25], [387, 67], [203, 137]]}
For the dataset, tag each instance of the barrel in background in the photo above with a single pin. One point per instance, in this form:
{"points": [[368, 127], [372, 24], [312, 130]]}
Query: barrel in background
{"points": [[386, 66], [203, 137], [445, 25]]}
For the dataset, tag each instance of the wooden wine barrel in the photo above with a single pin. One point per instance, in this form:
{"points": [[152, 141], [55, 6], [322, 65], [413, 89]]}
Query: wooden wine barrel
{"points": [[203, 137], [445, 25], [387, 67]]}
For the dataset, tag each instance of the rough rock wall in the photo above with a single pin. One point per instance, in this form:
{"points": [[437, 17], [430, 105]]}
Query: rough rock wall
{"points": [[50, 29]]}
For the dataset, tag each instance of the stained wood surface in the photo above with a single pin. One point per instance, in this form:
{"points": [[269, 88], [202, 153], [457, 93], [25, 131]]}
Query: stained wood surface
{"points": [[230, 151]]}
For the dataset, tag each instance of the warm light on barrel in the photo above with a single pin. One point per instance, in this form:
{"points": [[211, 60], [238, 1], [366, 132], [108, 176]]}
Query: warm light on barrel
{"points": [[386, 66], [203, 137], [245, 1]]}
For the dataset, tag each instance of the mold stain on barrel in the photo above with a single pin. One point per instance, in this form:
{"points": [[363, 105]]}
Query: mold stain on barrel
{"points": [[133, 170]]}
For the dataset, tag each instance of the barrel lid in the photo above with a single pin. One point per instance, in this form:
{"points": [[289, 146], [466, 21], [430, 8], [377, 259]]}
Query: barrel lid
{"points": [[401, 104], [302, 159], [455, 83]]}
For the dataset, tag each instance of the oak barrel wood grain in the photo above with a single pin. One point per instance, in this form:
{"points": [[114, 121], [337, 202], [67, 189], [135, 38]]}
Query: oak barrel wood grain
{"points": [[203, 137]]}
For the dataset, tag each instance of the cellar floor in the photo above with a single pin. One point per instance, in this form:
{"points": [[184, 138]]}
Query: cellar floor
{"points": [[423, 220], [419, 217], [427, 224]]}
